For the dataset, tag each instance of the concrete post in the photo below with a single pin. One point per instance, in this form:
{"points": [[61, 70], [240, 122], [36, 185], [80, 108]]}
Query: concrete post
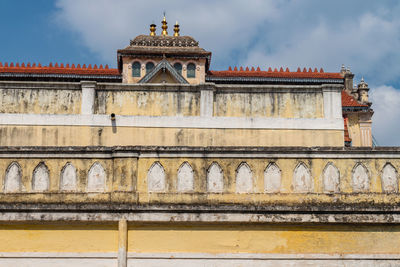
{"points": [[332, 102], [206, 101], [88, 97], [122, 242]]}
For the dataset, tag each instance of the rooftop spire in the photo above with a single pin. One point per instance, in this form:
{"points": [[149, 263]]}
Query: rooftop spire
{"points": [[176, 29], [164, 27], [152, 29]]}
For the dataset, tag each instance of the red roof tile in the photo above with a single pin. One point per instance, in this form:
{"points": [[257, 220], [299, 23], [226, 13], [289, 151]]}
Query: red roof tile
{"points": [[57, 69], [281, 73], [350, 101], [346, 130]]}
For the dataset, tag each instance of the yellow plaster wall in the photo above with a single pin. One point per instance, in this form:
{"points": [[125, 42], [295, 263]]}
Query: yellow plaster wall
{"points": [[354, 129], [197, 238], [71, 237], [283, 105], [148, 103], [38, 101], [281, 239], [107, 136]]}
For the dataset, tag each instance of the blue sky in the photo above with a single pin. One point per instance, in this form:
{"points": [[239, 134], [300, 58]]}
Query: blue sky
{"points": [[362, 34]]}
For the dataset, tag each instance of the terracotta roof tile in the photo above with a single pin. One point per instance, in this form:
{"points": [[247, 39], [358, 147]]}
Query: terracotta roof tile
{"points": [[350, 101], [346, 130], [57, 69], [275, 73]]}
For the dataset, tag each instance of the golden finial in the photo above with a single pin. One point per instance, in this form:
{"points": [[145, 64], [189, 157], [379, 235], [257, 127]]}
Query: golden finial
{"points": [[164, 26], [176, 29], [152, 29]]}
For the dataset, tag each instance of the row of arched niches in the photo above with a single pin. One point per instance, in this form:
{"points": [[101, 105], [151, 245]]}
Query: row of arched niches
{"points": [[302, 180]]}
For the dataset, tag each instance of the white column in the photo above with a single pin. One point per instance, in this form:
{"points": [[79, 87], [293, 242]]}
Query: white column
{"points": [[88, 97], [332, 102], [122, 242], [206, 102]]}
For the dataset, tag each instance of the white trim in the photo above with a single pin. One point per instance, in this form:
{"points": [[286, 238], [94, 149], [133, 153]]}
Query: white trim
{"points": [[172, 122], [219, 256]]}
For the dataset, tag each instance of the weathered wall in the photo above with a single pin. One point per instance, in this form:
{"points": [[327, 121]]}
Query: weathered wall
{"points": [[111, 136], [148, 103], [40, 101], [354, 129], [225, 206], [243, 173], [276, 104], [183, 245], [78, 114]]}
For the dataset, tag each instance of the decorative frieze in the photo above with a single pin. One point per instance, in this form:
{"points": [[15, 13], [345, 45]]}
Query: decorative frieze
{"points": [[190, 176]]}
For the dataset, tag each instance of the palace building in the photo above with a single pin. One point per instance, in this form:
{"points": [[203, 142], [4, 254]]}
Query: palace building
{"points": [[166, 162]]}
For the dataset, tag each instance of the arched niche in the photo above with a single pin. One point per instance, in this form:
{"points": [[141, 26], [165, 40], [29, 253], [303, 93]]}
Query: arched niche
{"points": [[68, 178], [360, 178], [390, 181], [272, 178], [215, 178], [41, 178], [96, 181], [331, 178], [244, 179], [13, 178], [302, 181], [185, 178], [156, 178]]}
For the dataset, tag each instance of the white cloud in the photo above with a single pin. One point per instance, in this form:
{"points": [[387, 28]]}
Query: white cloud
{"points": [[363, 34], [386, 119], [220, 26], [369, 43]]}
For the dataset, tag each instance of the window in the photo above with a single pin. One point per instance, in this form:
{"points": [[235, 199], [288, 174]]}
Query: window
{"points": [[178, 68], [149, 67], [191, 70], [136, 69]]}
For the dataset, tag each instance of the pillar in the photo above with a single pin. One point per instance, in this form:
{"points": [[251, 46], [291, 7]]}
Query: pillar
{"points": [[122, 242], [88, 97]]}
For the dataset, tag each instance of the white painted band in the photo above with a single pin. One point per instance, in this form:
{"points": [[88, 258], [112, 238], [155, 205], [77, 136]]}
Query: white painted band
{"points": [[172, 122], [226, 256]]}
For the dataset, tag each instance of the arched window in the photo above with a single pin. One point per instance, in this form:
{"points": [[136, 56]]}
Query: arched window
{"points": [[178, 67], [136, 69], [149, 67], [191, 70]]}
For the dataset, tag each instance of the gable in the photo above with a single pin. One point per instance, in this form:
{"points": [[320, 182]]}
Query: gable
{"points": [[163, 72]]}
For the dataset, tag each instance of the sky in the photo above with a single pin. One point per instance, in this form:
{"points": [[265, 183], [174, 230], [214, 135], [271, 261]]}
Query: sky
{"points": [[364, 35]]}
